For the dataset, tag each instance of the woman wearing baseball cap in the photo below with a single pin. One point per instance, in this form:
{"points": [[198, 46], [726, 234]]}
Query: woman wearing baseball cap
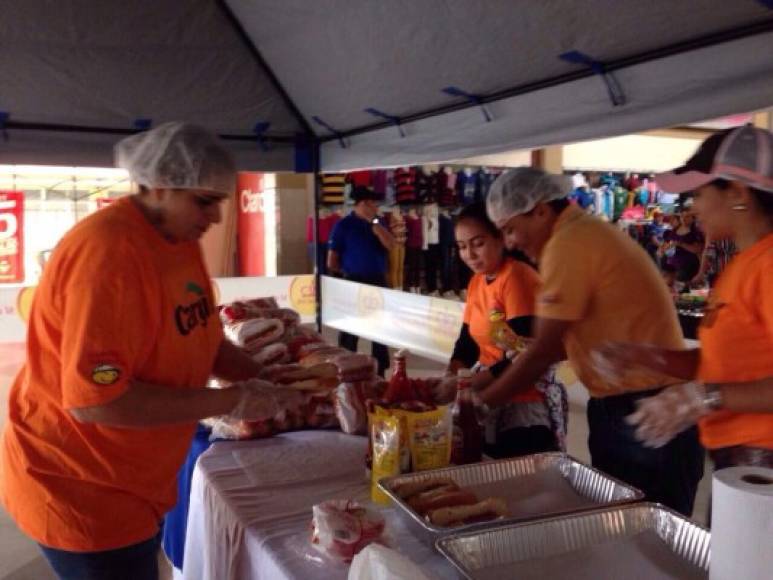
{"points": [[729, 380]]}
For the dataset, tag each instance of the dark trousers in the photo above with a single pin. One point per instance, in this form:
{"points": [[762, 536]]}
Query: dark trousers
{"points": [[412, 276], [522, 441], [135, 562], [432, 263], [669, 475], [349, 341], [446, 268]]}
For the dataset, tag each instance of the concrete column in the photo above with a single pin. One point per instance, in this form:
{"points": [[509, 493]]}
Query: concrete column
{"points": [[295, 202], [551, 158]]}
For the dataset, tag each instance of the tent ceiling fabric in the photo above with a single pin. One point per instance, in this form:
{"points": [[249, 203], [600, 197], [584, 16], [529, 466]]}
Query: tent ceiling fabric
{"points": [[338, 57], [703, 84], [104, 64]]}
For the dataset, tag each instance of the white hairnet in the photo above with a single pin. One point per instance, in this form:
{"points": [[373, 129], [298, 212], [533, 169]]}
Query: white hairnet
{"points": [[177, 156], [518, 191]]}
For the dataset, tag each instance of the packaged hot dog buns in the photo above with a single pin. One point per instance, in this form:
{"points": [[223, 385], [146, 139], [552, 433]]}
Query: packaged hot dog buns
{"points": [[272, 354], [255, 333]]}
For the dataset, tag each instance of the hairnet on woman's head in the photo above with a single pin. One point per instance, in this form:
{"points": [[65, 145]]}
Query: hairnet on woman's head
{"points": [[518, 191], [177, 156]]}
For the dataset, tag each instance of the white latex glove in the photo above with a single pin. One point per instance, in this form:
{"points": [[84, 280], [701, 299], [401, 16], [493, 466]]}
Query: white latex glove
{"points": [[261, 400], [660, 418], [613, 360]]}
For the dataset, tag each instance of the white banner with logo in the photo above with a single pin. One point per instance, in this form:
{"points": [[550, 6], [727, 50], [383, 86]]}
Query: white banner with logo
{"points": [[424, 325], [296, 292]]}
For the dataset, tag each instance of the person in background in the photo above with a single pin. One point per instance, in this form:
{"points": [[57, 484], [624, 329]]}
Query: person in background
{"points": [[684, 245], [123, 336], [533, 421], [598, 284], [728, 382], [358, 250]]}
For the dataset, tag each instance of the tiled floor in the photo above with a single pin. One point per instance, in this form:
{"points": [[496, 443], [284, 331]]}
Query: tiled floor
{"points": [[21, 560]]}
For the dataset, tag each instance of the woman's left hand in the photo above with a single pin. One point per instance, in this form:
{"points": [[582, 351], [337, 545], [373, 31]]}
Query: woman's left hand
{"points": [[660, 418]]}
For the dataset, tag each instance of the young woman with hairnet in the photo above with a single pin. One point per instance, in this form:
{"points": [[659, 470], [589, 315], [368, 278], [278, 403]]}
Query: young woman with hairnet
{"points": [[730, 388], [123, 335], [597, 284]]}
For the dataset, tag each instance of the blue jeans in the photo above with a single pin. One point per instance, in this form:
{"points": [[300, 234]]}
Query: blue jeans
{"points": [[669, 475], [135, 562]]}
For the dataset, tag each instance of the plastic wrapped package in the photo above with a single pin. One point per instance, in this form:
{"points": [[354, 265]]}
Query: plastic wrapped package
{"points": [[355, 367], [350, 404], [322, 355], [290, 318], [377, 562], [254, 334], [315, 411], [341, 528], [297, 341], [272, 354], [240, 310]]}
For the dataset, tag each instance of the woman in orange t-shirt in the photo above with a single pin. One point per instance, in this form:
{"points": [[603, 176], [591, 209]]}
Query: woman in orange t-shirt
{"points": [[534, 421], [730, 393], [123, 336]]}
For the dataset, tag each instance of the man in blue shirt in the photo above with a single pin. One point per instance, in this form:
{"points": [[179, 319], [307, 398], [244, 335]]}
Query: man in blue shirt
{"points": [[358, 250]]}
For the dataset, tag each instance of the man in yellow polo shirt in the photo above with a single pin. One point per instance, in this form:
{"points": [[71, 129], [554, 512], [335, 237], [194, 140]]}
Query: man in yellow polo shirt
{"points": [[597, 285]]}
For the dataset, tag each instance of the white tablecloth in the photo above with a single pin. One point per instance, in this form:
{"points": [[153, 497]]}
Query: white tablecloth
{"points": [[250, 509]]}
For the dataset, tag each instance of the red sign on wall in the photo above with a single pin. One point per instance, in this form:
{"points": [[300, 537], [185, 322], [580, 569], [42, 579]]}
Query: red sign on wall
{"points": [[251, 224], [11, 236]]}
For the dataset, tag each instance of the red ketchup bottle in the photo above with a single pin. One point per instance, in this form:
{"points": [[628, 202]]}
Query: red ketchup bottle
{"points": [[467, 446], [400, 388]]}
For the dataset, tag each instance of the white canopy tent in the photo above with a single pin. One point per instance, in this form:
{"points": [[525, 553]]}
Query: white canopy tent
{"points": [[77, 74]]}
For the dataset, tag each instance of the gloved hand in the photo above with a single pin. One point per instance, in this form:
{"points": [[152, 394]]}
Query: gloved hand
{"points": [[261, 400], [445, 391], [660, 418], [613, 360]]}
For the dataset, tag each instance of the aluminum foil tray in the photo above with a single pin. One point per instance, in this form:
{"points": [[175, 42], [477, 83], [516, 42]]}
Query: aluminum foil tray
{"points": [[510, 480], [637, 541]]}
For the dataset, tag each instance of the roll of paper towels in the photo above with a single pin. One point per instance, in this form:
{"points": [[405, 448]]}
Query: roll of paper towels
{"points": [[742, 524]]}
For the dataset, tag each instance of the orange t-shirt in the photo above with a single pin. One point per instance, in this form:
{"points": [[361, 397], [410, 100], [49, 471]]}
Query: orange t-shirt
{"points": [[737, 344], [514, 288], [601, 281], [116, 303]]}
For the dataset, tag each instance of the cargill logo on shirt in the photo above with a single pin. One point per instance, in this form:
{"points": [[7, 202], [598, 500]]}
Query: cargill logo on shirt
{"points": [[196, 312]]}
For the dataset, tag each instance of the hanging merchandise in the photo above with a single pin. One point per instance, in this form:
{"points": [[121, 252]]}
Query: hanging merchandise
{"points": [[332, 186], [423, 185], [413, 248], [405, 185], [397, 227], [361, 178], [380, 182], [620, 197], [483, 180], [445, 183], [465, 186], [447, 244]]}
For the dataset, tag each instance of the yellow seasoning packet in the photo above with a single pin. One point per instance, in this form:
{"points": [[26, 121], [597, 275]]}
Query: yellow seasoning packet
{"points": [[385, 441], [430, 437]]}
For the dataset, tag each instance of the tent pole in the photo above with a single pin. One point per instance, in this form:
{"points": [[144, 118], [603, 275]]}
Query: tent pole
{"points": [[761, 27], [237, 25], [317, 266]]}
